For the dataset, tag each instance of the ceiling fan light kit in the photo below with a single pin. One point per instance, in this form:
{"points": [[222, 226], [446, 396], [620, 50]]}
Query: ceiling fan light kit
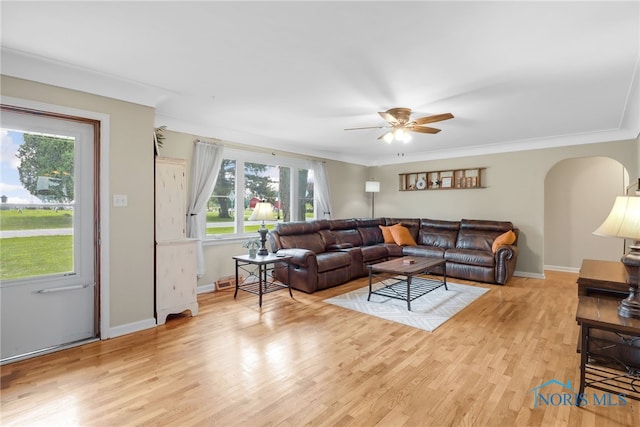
{"points": [[397, 134], [400, 122]]}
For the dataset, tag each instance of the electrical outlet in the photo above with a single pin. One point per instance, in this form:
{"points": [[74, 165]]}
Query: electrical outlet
{"points": [[120, 200]]}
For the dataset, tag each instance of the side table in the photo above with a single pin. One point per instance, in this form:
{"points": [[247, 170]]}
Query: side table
{"points": [[603, 278], [609, 348], [258, 268]]}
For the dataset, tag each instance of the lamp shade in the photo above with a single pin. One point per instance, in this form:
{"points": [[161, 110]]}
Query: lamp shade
{"points": [[372, 187], [262, 212], [623, 220]]}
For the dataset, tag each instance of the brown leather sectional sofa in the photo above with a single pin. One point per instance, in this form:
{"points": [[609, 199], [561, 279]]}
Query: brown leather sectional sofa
{"points": [[328, 253]]}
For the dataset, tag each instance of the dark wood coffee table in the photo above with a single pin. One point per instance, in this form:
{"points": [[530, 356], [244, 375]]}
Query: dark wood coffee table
{"points": [[402, 280]]}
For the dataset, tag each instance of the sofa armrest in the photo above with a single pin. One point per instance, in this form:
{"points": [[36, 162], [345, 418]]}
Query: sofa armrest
{"points": [[506, 257], [301, 257]]}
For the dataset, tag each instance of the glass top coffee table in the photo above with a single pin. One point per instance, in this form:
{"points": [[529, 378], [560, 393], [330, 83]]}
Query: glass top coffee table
{"points": [[402, 278]]}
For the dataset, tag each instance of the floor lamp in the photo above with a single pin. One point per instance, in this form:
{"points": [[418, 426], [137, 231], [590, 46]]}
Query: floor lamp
{"points": [[624, 222], [372, 187]]}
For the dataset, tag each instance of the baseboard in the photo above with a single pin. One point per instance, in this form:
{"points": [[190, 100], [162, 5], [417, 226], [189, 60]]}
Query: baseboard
{"points": [[206, 288], [562, 268], [528, 274], [130, 328]]}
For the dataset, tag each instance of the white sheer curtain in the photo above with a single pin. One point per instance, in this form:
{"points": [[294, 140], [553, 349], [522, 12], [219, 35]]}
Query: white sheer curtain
{"points": [[321, 189], [207, 159]]}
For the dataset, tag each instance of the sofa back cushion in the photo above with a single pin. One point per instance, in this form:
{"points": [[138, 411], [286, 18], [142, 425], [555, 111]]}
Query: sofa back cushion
{"points": [[479, 234], [301, 234], [345, 231], [441, 234], [370, 231]]}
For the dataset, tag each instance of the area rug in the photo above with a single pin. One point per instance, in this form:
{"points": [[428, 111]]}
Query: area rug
{"points": [[427, 312]]}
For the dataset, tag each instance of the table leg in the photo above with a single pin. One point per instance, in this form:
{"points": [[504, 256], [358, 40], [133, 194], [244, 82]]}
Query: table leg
{"points": [[444, 276], [370, 279], [236, 292], [260, 285], [289, 278], [409, 293], [584, 336]]}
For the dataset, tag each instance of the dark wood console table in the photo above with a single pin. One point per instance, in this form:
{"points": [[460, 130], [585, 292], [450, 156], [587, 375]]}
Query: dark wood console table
{"points": [[609, 348], [603, 278]]}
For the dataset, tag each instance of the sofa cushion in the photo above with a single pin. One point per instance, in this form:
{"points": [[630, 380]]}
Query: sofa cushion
{"points": [[394, 250], [311, 241], [412, 224], [402, 236], [506, 238], [332, 260], [470, 257], [428, 251], [479, 235], [442, 234], [386, 234], [371, 235], [348, 236], [345, 231], [373, 253]]}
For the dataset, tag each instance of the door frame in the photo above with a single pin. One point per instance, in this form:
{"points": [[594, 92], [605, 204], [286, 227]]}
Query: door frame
{"points": [[102, 180]]}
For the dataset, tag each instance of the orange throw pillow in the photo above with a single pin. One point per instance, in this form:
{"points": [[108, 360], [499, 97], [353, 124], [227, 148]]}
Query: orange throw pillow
{"points": [[386, 234], [402, 236], [505, 238]]}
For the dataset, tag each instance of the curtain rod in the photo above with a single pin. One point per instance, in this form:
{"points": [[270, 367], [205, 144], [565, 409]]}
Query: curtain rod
{"points": [[216, 142]]}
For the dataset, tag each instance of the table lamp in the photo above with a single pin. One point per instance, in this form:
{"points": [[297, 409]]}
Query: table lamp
{"points": [[624, 222], [262, 212]]}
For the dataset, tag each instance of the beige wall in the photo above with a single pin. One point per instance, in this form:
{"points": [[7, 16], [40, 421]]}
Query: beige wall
{"points": [[515, 191], [579, 194], [131, 173]]}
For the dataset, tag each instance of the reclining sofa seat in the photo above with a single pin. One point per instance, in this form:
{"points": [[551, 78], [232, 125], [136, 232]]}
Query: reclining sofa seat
{"points": [[313, 268], [473, 258], [327, 253]]}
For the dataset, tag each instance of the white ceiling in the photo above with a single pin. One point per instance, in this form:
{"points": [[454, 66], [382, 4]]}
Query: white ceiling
{"points": [[292, 75]]}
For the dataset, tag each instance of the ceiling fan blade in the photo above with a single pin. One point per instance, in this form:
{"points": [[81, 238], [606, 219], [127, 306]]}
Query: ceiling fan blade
{"points": [[381, 137], [389, 118], [422, 129], [431, 119], [368, 127]]}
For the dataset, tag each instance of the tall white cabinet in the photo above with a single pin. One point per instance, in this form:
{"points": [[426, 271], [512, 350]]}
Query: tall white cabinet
{"points": [[176, 276]]}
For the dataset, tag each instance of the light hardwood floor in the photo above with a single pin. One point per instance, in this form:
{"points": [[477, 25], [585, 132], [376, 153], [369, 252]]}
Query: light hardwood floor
{"points": [[304, 362]]}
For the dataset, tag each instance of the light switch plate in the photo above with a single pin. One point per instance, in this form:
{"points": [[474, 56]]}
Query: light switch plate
{"points": [[120, 200]]}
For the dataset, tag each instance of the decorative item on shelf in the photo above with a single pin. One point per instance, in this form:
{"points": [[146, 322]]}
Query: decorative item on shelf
{"points": [[262, 212], [442, 180], [253, 245], [624, 222], [372, 187]]}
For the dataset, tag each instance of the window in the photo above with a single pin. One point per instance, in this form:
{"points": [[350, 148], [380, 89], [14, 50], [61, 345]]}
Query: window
{"points": [[247, 178]]}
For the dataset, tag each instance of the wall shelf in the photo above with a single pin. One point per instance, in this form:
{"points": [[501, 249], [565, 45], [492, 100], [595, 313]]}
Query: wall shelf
{"points": [[452, 179]]}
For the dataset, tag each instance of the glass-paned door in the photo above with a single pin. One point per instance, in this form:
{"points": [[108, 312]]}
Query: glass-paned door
{"points": [[47, 235]]}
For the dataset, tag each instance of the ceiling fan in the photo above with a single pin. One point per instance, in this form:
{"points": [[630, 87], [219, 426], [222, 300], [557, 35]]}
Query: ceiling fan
{"points": [[400, 124]]}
